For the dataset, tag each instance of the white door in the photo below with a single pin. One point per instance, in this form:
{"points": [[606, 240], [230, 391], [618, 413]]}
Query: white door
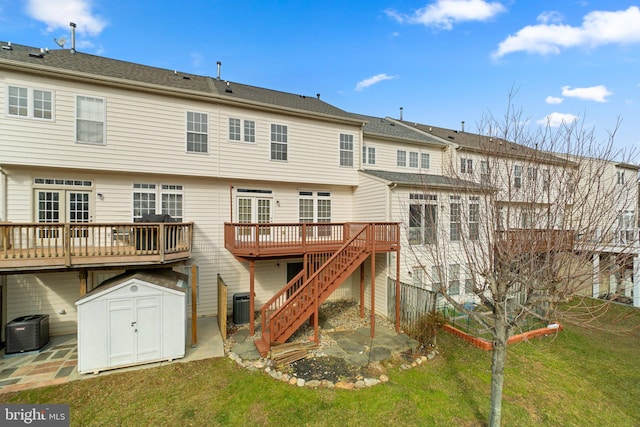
{"points": [[121, 335], [55, 206], [134, 333], [254, 210]]}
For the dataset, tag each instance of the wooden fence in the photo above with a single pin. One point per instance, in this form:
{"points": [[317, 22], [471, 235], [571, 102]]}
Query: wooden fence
{"points": [[222, 307], [415, 301]]}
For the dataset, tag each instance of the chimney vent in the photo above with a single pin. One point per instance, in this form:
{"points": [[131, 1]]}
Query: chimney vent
{"points": [[401, 109], [73, 37], [318, 95], [219, 66], [463, 126]]}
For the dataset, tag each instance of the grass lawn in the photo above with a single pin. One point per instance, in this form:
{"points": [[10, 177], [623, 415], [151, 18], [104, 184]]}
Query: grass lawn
{"points": [[580, 377]]}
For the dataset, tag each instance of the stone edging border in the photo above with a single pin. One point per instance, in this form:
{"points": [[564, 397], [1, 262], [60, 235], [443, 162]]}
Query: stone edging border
{"points": [[266, 365]]}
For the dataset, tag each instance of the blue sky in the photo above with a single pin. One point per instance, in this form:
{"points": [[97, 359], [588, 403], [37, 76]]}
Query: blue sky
{"points": [[443, 61]]}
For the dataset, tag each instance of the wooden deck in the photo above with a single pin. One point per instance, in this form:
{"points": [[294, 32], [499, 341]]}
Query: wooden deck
{"points": [[272, 240], [513, 242], [37, 246]]}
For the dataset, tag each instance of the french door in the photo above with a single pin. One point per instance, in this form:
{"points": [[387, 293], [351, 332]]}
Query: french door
{"points": [[56, 206], [254, 210]]}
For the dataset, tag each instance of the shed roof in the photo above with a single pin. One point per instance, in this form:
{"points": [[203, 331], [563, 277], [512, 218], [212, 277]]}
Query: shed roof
{"points": [[166, 278]]}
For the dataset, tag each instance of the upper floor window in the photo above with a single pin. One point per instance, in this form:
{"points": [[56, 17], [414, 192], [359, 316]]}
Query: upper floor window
{"points": [[401, 158], [346, 149], [413, 159], [620, 177], [546, 179], [455, 219], [197, 132], [278, 142], [466, 166], [484, 172], [368, 155], [517, 176], [30, 103], [90, 114], [474, 217], [242, 130], [532, 175], [424, 160]]}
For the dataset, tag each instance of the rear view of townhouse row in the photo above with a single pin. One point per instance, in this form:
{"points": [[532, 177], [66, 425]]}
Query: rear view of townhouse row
{"points": [[108, 166]]}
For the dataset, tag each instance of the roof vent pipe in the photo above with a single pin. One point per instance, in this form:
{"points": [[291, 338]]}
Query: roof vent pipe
{"points": [[463, 126], [401, 108], [219, 65], [73, 37], [318, 95]]}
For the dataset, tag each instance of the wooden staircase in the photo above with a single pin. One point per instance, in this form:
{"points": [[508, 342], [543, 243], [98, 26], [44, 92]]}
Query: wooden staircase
{"points": [[294, 304]]}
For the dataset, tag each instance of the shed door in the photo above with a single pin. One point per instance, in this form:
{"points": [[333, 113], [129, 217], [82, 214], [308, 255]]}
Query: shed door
{"points": [[134, 332]]}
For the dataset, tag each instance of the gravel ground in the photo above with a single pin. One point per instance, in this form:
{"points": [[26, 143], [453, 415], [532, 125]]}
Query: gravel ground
{"points": [[334, 316]]}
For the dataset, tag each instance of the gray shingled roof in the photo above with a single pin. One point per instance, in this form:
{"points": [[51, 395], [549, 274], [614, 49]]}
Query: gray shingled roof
{"points": [[382, 127], [165, 278], [63, 59], [418, 179], [485, 144]]}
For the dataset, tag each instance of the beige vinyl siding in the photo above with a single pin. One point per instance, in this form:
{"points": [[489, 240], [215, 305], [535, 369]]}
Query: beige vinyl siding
{"points": [[46, 293], [381, 275], [370, 201], [153, 127], [138, 126], [313, 150], [387, 156]]}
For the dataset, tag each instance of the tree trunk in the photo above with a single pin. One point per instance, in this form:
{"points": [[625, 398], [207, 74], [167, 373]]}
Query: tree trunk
{"points": [[498, 360]]}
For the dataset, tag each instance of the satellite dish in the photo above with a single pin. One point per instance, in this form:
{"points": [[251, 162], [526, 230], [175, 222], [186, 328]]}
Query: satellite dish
{"points": [[60, 42]]}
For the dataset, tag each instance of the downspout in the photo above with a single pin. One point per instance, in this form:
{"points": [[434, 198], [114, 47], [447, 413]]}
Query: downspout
{"points": [[392, 187], [361, 147], [3, 191]]}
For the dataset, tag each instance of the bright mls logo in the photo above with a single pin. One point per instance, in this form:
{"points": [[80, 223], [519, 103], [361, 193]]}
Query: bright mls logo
{"points": [[34, 415]]}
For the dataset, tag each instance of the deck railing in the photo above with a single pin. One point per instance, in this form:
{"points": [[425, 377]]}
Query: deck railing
{"points": [[273, 239], [72, 244], [535, 240]]}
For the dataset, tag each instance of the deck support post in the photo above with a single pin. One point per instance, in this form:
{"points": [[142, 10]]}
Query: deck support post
{"points": [[194, 306], [82, 275], [595, 289], [398, 291], [636, 281], [252, 277], [362, 290], [316, 336], [373, 289]]}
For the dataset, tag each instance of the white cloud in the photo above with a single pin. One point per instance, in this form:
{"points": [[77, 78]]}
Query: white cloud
{"points": [[595, 93], [553, 100], [598, 28], [444, 13], [555, 120], [373, 80], [58, 13]]}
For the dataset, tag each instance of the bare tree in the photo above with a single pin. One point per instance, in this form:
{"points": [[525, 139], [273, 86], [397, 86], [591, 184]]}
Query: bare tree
{"points": [[517, 232]]}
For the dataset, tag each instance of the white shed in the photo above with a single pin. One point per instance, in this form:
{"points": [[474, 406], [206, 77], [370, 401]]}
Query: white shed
{"points": [[134, 318]]}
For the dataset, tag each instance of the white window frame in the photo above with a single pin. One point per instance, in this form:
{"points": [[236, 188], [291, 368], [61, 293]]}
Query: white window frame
{"points": [[279, 146], [401, 158], [158, 191], [425, 160], [413, 159], [102, 119], [466, 165], [346, 150], [201, 128], [246, 130], [368, 155], [517, 176], [31, 103]]}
